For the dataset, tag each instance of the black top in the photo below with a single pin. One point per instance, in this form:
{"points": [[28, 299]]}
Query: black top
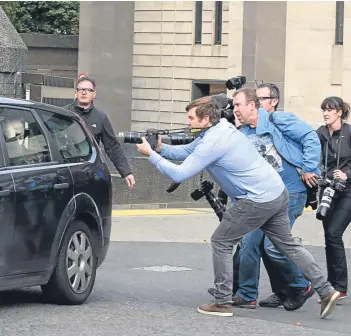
{"points": [[100, 126], [333, 147]]}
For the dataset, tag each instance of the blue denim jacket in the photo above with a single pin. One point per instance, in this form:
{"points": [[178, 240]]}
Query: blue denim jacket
{"points": [[295, 140]]}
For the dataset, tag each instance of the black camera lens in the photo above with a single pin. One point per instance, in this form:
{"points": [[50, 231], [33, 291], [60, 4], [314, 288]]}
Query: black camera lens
{"points": [[132, 137], [181, 139]]}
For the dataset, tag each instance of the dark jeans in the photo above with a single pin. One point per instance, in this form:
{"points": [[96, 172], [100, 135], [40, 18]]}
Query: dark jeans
{"points": [[337, 220], [246, 216], [282, 272]]}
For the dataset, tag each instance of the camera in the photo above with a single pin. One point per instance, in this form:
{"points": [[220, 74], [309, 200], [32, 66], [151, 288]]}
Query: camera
{"points": [[331, 186], [205, 190], [235, 82], [177, 137]]}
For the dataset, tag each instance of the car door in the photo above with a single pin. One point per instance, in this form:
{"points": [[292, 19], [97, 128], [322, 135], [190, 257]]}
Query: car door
{"points": [[42, 185], [7, 214], [90, 175]]}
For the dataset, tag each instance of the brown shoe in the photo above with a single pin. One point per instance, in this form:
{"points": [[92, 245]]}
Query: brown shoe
{"points": [[216, 309], [328, 303], [239, 302]]}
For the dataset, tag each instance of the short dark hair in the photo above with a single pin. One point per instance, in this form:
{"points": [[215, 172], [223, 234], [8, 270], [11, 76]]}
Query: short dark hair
{"points": [[205, 106], [87, 79], [336, 103], [250, 95], [273, 91]]}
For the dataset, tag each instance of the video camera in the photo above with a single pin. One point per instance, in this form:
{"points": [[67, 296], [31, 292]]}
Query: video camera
{"points": [[235, 82], [331, 186]]}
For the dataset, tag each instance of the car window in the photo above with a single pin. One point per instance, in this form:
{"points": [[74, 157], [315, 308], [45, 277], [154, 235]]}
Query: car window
{"points": [[25, 141], [71, 139]]}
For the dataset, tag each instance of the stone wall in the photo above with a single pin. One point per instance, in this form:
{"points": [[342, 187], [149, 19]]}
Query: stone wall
{"points": [[166, 61], [314, 66]]}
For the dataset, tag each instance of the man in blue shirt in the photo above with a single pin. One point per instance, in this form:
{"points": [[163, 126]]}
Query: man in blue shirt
{"points": [[260, 199], [273, 141]]}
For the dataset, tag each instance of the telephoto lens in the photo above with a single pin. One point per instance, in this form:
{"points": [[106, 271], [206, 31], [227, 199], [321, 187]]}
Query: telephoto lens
{"points": [[181, 138], [133, 137], [324, 205]]}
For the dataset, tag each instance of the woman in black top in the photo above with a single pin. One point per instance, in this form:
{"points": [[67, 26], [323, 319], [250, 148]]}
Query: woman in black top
{"points": [[335, 137]]}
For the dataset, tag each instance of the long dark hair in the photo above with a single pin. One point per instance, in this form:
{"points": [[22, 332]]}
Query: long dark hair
{"points": [[336, 103]]}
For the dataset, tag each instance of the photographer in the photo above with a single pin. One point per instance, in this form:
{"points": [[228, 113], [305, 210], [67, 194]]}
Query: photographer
{"points": [[335, 138], [259, 198], [285, 139]]}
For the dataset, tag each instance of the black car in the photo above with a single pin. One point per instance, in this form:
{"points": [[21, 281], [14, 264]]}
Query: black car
{"points": [[55, 201]]}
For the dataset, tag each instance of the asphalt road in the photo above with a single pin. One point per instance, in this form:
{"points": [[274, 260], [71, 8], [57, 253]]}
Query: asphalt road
{"points": [[153, 288]]}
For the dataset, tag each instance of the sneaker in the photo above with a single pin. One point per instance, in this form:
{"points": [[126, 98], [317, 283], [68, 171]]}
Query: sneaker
{"points": [[274, 301], [239, 302], [298, 300], [216, 309], [343, 295], [328, 303]]}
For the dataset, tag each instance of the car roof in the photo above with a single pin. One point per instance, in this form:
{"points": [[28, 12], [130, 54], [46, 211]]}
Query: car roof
{"points": [[37, 105]]}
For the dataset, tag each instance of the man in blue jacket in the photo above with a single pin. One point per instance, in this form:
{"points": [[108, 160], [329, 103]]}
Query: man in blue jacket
{"points": [[260, 199], [292, 147]]}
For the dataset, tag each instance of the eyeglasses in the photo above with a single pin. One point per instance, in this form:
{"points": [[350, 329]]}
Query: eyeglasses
{"points": [[85, 90]]}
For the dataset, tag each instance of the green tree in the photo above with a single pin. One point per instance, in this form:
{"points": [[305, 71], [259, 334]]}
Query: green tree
{"points": [[48, 17]]}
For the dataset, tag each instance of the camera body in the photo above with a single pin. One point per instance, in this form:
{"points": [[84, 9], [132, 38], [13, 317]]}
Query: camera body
{"points": [[206, 190], [331, 186]]}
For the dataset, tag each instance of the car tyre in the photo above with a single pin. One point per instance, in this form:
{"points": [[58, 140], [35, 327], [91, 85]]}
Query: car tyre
{"points": [[73, 278]]}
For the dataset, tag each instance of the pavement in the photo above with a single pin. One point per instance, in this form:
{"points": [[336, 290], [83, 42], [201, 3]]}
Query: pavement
{"points": [[157, 272]]}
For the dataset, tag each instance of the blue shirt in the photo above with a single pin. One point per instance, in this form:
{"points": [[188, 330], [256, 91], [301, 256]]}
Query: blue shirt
{"points": [[229, 157], [264, 145]]}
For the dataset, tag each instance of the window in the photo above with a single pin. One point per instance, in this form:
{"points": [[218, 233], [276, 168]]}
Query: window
{"points": [[25, 141], [201, 88], [218, 22], [198, 22], [69, 136]]}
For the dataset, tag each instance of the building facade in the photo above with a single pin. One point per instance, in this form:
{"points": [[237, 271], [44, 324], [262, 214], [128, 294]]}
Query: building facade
{"points": [[175, 51]]}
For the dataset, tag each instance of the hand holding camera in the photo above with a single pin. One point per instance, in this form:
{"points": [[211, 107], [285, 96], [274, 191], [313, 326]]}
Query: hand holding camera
{"points": [[338, 174]]}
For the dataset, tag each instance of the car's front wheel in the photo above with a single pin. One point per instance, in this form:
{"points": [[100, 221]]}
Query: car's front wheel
{"points": [[74, 275]]}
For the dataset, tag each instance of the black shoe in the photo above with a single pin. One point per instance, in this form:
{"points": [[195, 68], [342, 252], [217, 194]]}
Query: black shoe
{"points": [[298, 299], [274, 301]]}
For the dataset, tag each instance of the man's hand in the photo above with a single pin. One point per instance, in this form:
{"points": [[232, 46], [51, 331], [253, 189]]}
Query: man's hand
{"points": [[159, 144], [339, 174], [311, 179], [144, 147], [130, 180]]}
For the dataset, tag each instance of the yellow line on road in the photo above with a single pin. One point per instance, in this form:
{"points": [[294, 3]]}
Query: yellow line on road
{"points": [[154, 212]]}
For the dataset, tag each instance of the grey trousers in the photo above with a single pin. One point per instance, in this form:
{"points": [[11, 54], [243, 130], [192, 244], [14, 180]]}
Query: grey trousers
{"points": [[272, 217]]}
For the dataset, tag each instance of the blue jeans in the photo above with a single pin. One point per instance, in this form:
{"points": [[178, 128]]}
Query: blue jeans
{"points": [[249, 270]]}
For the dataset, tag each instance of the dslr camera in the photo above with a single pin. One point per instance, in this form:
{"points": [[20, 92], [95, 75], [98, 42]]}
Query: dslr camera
{"points": [[330, 188], [206, 190]]}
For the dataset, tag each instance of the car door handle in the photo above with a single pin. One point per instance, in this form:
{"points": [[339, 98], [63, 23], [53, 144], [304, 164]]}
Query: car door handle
{"points": [[61, 186], [5, 192]]}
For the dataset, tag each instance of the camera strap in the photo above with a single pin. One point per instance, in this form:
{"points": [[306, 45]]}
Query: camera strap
{"points": [[338, 154]]}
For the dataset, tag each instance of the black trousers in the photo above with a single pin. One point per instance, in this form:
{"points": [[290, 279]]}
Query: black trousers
{"points": [[337, 220]]}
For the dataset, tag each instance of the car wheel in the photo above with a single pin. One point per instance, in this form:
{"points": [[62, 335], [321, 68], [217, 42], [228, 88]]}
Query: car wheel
{"points": [[74, 275]]}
